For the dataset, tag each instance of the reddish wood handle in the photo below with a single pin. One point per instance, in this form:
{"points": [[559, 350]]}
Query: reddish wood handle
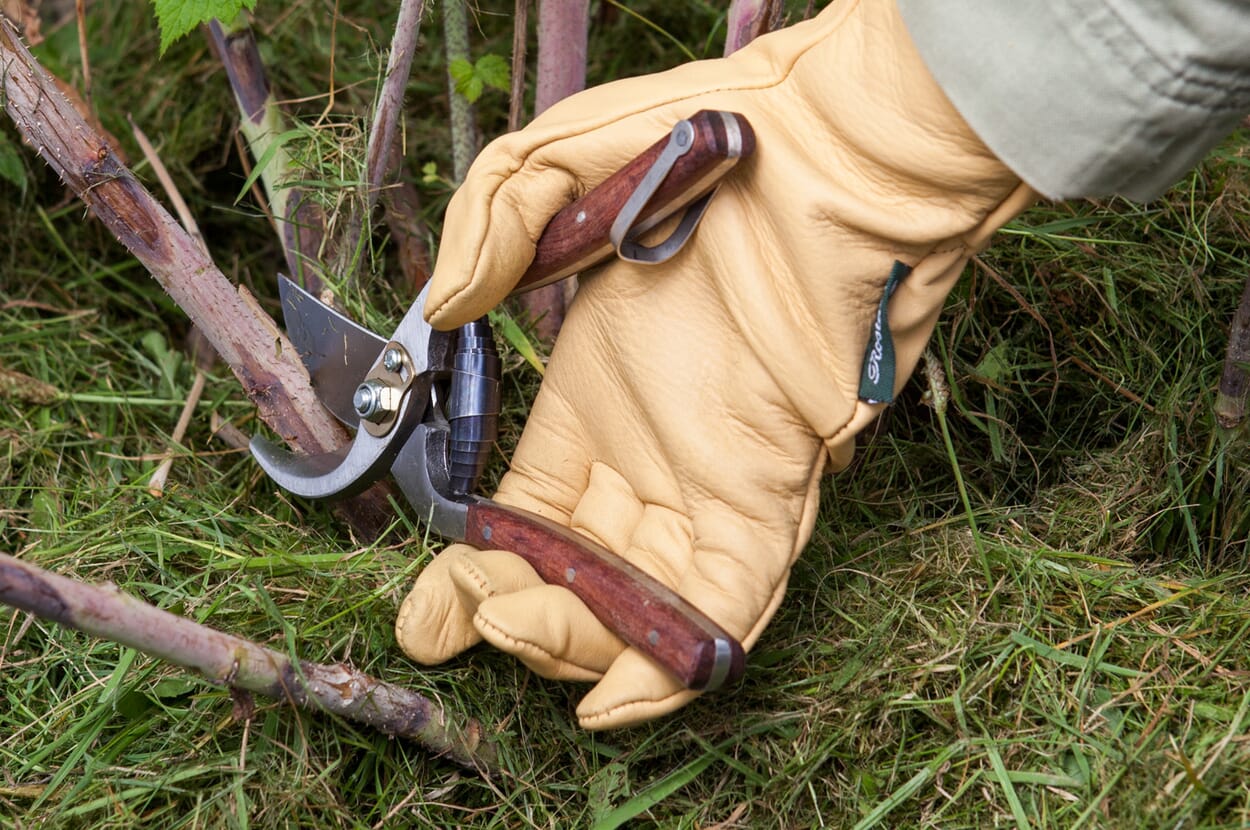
{"points": [[577, 236], [641, 610]]}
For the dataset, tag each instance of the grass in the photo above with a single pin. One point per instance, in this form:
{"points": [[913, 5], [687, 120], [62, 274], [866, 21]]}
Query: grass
{"points": [[1060, 641]]}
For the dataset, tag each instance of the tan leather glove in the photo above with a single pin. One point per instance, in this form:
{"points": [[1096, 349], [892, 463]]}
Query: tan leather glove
{"points": [[688, 409]]}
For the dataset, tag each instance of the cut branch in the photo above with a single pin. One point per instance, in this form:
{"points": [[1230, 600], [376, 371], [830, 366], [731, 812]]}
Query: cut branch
{"points": [[520, 32], [223, 659], [239, 330]]}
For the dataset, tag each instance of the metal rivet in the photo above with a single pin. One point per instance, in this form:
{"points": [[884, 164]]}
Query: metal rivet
{"points": [[581, 216], [486, 531], [653, 637], [570, 574]]}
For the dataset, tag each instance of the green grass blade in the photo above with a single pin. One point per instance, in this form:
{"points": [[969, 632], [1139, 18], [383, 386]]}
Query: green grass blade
{"points": [[654, 794], [909, 788], [1009, 790]]}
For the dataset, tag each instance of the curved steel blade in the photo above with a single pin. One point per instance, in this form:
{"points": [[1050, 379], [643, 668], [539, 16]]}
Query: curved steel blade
{"points": [[337, 352], [368, 457]]}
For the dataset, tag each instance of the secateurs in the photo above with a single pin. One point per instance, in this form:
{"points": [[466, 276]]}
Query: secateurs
{"points": [[424, 403]]}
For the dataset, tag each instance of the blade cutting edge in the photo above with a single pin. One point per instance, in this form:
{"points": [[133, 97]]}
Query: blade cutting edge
{"points": [[336, 351]]}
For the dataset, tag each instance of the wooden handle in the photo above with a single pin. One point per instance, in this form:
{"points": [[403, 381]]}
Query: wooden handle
{"points": [[642, 611], [577, 236]]}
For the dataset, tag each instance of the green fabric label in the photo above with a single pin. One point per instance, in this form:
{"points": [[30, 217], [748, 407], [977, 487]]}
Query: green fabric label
{"points": [[876, 378]]}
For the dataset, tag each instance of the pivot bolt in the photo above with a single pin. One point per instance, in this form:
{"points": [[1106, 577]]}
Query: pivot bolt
{"points": [[375, 401]]}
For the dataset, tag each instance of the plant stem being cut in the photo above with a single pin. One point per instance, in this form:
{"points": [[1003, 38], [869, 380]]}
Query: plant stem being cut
{"points": [[241, 333], [104, 611]]}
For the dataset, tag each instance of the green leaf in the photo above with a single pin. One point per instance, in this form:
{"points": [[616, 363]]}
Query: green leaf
{"points": [[516, 337], [462, 73], [472, 79], [173, 687], [266, 158], [178, 17], [494, 72], [132, 705]]}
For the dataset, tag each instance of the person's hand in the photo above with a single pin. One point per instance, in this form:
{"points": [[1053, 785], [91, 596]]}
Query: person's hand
{"points": [[688, 409]]}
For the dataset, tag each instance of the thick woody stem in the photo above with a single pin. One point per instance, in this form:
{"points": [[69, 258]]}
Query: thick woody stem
{"points": [[464, 136], [748, 19], [562, 37], [241, 333], [562, 31], [87, 165], [103, 611]]}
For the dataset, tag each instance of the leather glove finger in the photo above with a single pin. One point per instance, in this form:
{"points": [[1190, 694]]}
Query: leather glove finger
{"points": [[551, 631], [435, 621]]}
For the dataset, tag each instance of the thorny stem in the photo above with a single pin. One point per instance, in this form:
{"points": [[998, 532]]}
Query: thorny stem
{"points": [[241, 333], [384, 158], [223, 659], [464, 138]]}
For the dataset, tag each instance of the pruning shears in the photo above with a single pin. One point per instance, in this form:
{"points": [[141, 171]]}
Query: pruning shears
{"points": [[424, 403]]}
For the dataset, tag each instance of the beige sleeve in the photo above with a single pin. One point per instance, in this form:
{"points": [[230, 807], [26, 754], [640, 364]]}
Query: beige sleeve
{"points": [[1095, 97]]}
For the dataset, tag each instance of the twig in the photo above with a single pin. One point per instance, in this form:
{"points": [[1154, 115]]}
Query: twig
{"points": [[520, 32], [1230, 401], [243, 335], [156, 484], [227, 433], [103, 611]]}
